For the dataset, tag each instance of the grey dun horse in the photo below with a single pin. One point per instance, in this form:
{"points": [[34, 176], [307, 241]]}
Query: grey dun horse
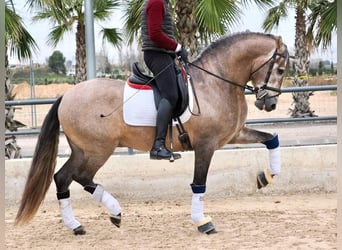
{"points": [[220, 75]]}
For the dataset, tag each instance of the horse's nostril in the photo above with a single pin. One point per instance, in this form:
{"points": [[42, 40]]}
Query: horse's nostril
{"points": [[273, 106], [259, 104]]}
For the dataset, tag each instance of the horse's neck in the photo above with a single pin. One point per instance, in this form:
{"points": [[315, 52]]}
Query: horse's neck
{"points": [[235, 63], [208, 84], [231, 67]]}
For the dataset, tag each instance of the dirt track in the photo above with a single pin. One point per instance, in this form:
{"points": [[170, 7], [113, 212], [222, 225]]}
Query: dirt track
{"points": [[301, 221]]}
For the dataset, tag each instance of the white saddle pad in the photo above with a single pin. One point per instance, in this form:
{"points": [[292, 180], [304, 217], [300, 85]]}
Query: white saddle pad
{"points": [[139, 108]]}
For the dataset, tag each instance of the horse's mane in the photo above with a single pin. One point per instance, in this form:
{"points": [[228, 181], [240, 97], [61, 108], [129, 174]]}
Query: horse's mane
{"points": [[227, 40]]}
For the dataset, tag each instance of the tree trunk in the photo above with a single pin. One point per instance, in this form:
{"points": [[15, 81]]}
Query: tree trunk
{"points": [[81, 64], [301, 99], [186, 25]]}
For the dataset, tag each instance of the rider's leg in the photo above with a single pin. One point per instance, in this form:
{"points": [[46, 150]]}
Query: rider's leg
{"points": [[159, 151], [162, 66]]}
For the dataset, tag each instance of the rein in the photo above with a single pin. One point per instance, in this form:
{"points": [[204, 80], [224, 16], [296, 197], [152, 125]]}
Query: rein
{"points": [[223, 79], [253, 89], [260, 92]]}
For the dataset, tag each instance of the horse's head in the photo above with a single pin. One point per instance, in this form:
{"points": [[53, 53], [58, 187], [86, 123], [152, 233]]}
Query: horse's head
{"points": [[268, 76]]}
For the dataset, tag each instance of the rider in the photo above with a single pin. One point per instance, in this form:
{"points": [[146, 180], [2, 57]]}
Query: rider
{"points": [[160, 49]]}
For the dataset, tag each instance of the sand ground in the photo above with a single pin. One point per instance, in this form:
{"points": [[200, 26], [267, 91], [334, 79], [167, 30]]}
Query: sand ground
{"points": [[298, 221]]}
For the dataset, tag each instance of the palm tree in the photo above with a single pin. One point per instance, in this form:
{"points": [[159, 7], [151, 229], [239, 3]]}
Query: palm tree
{"points": [[65, 15], [197, 21], [205, 19], [305, 40], [21, 44], [322, 22]]}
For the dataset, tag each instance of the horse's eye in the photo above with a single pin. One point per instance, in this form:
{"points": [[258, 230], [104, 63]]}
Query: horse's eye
{"points": [[281, 71]]}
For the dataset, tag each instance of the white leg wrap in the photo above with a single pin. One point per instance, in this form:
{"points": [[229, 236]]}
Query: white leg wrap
{"points": [[107, 200], [67, 214], [275, 161], [197, 208]]}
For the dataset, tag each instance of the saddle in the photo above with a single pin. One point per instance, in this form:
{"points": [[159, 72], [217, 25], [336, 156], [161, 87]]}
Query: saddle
{"points": [[141, 78]]}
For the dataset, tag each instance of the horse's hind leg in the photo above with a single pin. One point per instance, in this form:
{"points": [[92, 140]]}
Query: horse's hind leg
{"points": [[82, 170], [63, 179], [271, 142], [102, 196]]}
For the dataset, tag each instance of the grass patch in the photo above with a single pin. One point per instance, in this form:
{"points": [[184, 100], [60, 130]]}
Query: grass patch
{"points": [[313, 81], [42, 76]]}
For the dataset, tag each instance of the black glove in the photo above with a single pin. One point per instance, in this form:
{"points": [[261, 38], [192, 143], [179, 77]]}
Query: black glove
{"points": [[183, 54]]}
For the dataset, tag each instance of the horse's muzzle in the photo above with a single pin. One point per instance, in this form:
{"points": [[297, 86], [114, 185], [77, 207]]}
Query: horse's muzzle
{"points": [[267, 104]]}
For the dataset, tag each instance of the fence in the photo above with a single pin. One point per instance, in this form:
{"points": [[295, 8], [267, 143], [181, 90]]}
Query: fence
{"points": [[247, 92]]}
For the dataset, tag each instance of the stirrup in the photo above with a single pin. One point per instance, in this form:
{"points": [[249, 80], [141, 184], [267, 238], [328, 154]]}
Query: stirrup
{"points": [[175, 156], [163, 153]]}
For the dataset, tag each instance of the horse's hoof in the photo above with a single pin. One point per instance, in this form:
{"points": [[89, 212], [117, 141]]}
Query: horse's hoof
{"points": [[206, 226], [264, 178], [79, 230], [213, 231], [261, 180], [116, 220]]}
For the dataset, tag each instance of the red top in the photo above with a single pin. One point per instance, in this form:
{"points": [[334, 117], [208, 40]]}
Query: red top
{"points": [[155, 11]]}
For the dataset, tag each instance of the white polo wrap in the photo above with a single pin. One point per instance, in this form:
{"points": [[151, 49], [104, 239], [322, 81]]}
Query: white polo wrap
{"points": [[67, 214], [197, 207], [107, 200], [275, 161]]}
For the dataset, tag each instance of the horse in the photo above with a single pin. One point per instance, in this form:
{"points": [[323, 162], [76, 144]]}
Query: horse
{"points": [[220, 75]]}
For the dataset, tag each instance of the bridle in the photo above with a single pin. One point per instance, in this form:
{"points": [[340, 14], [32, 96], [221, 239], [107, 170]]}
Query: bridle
{"points": [[259, 91]]}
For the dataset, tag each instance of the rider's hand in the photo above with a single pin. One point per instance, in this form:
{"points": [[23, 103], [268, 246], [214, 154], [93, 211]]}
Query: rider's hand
{"points": [[182, 53]]}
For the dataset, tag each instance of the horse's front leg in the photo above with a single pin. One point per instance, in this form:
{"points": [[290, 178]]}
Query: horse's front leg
{"points": [[271, 142], [202, 161]]}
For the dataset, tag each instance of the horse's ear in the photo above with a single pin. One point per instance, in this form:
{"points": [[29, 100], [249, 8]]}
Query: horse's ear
{"points": [[279, 42]]}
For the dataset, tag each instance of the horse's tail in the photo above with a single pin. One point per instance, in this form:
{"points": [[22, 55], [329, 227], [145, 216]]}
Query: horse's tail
{"points": [[42, 166]]}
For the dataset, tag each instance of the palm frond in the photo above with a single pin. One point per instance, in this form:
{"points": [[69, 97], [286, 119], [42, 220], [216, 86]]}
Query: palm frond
{"points": [[132, 17], [104, 8], [112, 36], [57, 33], [274, 15], [216, 16], [18, 39], [41, 3], [262, 4], [323, 22]]}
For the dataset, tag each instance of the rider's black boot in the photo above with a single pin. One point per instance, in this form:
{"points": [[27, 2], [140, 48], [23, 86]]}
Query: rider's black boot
{"points": [[159, 151]]}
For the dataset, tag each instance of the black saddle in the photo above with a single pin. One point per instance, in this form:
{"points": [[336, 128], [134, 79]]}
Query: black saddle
{"points": [[140, 77]]}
